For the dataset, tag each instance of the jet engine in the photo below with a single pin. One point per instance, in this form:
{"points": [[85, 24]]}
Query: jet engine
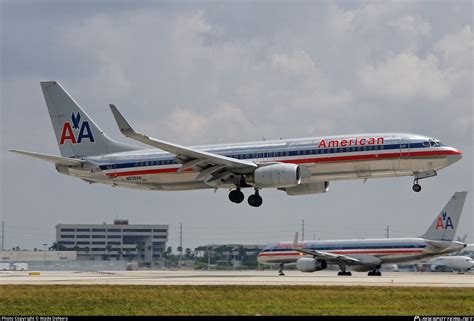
{"points": [[306, 264], [278, 175], [309, 188]]}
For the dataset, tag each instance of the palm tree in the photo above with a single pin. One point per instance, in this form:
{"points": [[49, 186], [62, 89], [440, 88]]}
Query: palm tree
{"points": [[87, 249], [108, 249], [188, 253], [168, 252], [140, 248], [57, 246]]}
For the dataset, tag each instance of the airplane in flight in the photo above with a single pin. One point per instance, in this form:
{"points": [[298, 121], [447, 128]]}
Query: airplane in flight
{"points": [[369, 254], [295, 166]]}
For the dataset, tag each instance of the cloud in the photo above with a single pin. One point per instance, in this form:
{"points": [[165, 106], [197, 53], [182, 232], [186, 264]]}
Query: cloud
{"points": [[456, 51], [226, 119], [369, 17], [412, 26], [405, 77], [296, 63]]}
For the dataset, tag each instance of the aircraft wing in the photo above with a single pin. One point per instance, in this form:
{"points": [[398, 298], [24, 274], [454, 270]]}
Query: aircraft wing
{"points": [[192, 157], [52, 158], [330, 257]]}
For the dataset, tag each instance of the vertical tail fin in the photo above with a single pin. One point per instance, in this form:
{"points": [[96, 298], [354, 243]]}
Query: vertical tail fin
{"points": [[446, 223], [75, 131]]}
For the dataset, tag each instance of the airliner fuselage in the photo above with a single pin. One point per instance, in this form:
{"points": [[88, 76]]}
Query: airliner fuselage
{"points": [[327, 158]]}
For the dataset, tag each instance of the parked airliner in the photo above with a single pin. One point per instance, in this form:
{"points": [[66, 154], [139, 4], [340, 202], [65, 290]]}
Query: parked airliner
{"points": [[295, 166], [369, 254], [454, 262]]}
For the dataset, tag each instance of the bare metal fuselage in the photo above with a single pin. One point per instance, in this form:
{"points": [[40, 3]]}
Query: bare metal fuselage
{"points": [[327, 159], [395, 250]]}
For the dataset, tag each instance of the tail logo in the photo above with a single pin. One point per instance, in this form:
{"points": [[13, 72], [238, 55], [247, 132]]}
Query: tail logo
{"points": [[69, 134], [444, 221]]}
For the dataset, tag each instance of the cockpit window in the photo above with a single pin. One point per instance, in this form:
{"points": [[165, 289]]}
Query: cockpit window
{"points": [[434, 143], [426, 143]]}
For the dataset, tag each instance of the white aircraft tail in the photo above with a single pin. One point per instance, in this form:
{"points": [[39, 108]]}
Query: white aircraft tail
{"points": [[446, 223], [75, 131]]}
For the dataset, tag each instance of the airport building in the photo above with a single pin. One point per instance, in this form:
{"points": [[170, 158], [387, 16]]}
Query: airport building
{"points": [[117, 241]]}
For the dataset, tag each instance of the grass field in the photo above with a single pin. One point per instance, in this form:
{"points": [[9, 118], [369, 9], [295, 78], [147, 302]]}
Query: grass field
{"points": [[232, 300]]}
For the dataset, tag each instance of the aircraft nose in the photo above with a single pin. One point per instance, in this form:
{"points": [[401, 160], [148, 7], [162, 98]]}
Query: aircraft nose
{"points": [[455, 156]]}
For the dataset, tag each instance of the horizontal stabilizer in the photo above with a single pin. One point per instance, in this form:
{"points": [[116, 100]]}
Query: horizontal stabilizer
{"points": [[51, 158]]}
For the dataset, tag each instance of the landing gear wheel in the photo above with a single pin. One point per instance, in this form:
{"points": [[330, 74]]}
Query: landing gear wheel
{"points": [[374, 273], [416, 187], [344, 273], [236, 196], [280, 271], [255, 200]]}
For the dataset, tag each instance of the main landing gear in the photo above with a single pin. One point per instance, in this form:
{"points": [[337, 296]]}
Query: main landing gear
{"points": [[347, 273], [236, 196], [343, 271], [280, 271], [375, 271], [255, 200]]}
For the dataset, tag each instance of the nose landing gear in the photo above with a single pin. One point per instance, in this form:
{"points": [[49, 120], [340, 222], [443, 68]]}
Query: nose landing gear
{"points": [[421, 175], [416, 186]]}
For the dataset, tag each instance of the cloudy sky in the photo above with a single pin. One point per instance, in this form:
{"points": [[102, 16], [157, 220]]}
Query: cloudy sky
{"points": [[195, 72]]}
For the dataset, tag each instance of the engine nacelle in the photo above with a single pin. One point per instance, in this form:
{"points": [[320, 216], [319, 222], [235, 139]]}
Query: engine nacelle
{"points": [[306, 264], [309, 188], [276, 175]]}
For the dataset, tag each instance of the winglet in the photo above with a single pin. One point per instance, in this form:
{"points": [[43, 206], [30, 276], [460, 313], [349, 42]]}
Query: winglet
{"points": [[122, 124]]}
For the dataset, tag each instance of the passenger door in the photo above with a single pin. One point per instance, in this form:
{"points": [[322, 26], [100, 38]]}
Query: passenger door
{"points": [[404, 153]]}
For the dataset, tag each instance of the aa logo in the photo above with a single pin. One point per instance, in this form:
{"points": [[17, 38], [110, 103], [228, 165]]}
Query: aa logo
{"points": [[68, 132], [444, 221]]}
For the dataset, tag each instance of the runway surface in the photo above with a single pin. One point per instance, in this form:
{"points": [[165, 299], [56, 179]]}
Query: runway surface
{"points": [[189, 277]]}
